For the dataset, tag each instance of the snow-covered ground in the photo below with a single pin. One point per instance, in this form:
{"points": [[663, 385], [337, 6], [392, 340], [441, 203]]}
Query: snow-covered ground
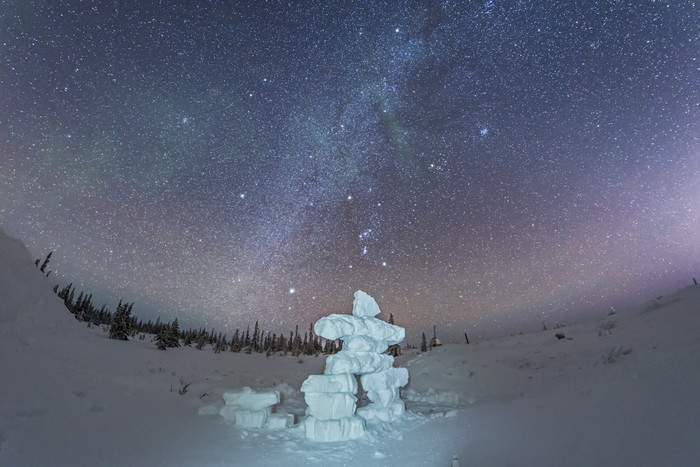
{"points": [[622, 389]]}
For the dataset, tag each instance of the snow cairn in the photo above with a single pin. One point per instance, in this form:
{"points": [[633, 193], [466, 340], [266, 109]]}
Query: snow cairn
{"points": [[330, 397]]}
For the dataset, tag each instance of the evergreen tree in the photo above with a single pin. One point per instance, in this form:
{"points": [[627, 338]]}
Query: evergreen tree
{"points": [[42, 268], [236, 341], [172, 333], [168, 336], [121, 322], [256, 337], [423, 344], [161, 339], [201, 341], [395, 349], [187, 342]]}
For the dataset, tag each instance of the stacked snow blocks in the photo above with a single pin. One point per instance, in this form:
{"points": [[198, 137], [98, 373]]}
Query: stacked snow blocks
{"points": [[250, 409], [331, 397], [330, 400]]}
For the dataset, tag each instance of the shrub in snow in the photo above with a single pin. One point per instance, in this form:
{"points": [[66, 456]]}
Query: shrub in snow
{"points": [[614, 353], [331, 399]]}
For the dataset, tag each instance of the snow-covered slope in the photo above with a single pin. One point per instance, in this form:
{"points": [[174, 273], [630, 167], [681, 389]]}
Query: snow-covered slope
{"points": [[27, 304], [623, 389]]}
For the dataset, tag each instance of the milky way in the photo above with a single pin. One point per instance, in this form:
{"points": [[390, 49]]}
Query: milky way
{"points": [[471, 165]]}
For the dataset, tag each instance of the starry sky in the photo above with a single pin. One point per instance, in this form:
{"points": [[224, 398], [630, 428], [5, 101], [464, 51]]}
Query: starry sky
{"points": [[482, 166]]}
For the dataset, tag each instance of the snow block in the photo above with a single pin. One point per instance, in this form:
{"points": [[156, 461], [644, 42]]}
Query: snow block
{"points": [[277, 421], [364, 305], [364, 344], [357, 362], [343, 382], [209, 410], [245, 418], [383, 397], [334, 430], [340, 326], [326, 406], [228, 412], [375, 413], [252, 418], [387, 379], [251, 400]]}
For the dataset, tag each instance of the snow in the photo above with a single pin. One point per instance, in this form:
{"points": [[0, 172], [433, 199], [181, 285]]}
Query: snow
{"points": [[251, 400], [330, 405], [364, 344], [338, 326], [250, 409], [620, 389], [245, 418], [343, 382], [347, 428], [364, 305], [383, 386], [357, 362]]}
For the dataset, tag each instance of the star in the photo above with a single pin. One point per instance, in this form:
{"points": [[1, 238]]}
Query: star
{"points": [[544, 159]]}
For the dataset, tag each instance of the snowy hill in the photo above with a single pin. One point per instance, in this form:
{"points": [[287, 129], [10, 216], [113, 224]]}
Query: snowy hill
{"points": [[622, 389]]}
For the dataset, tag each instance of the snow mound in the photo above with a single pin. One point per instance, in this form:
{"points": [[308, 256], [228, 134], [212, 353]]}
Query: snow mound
{"points": [[29, 309]]}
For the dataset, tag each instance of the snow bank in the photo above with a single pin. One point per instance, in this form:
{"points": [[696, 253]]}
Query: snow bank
{"points": [[27, 303]]}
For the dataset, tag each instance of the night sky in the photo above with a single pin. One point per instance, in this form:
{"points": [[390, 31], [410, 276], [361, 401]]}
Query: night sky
{"points": [[482, 166]]}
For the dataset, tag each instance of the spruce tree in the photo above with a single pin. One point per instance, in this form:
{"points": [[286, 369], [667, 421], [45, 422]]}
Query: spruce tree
{"points": [[175, 329], [423, 344], [172, 334], [44, 264], [121, 322], [256, 337], [168, 336], [161, 340]]}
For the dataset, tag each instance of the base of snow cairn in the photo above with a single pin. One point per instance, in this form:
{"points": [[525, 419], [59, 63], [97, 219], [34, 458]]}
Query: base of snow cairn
{"points": [[332, 414], [340, 429]]}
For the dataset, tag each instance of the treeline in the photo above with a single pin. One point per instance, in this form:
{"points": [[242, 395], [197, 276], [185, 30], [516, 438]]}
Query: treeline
{"points": [[122, 325]]}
